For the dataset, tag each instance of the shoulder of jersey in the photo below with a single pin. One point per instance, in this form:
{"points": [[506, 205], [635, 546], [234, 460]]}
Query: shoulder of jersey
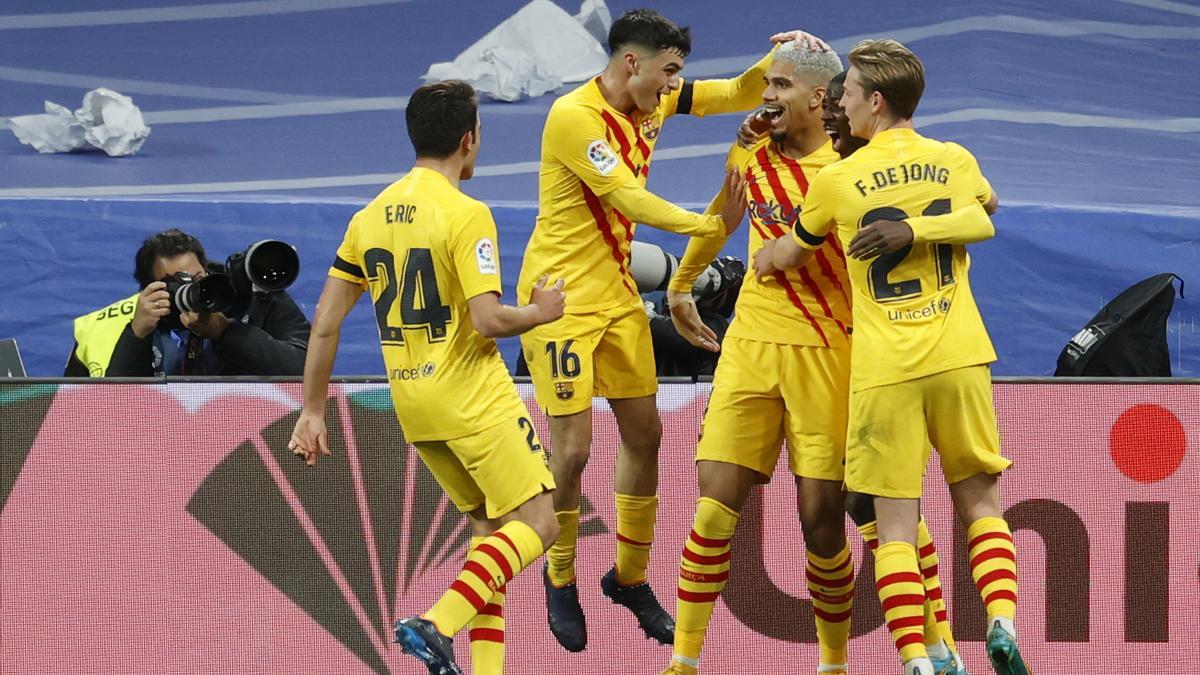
{"points": [[826, 151], [955, 150], [577, 96], [739, 156]]}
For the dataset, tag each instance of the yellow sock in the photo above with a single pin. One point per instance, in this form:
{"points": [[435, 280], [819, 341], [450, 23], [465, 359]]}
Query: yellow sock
{"points": [[994, 566], [487, 632], [902, 596], [635, 533], [703, 572], [560, 559], [831, 585], [492, 564], [937, 624], [870, 534]]}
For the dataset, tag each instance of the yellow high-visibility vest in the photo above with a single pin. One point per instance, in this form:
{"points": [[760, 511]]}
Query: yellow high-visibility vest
{"points": [[97, 333]]}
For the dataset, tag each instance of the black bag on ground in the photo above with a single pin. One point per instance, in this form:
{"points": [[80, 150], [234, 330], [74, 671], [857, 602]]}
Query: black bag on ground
{"points": [[1128, 338]]}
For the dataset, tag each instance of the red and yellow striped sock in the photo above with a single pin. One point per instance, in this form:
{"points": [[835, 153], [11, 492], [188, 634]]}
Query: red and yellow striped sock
{"points": [[635, 533], [487, 632], [703, 572], [994, 566], [560, 559], [831, 585], [492, 564], [937, 624], [902, 596]]}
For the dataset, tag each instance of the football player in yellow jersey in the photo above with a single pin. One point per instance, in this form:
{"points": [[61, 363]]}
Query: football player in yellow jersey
{"points": [[919, 368], [783, 372], [596, 152], [427, 255], [939, 638]]}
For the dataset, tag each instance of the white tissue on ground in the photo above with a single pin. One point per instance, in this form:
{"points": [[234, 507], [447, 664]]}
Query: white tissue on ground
{"points": [[107, 121], [532, 52]]}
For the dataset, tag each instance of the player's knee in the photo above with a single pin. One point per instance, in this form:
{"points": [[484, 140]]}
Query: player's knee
{"points": [[823, 536], [645, 439], [861, 507], [538, 514], [571, 458]]}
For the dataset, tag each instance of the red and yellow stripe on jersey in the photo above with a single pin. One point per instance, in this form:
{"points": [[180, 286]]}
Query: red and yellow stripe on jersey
{"points": [[422, 249], [808, 306], [914, 312], [589, 149]]}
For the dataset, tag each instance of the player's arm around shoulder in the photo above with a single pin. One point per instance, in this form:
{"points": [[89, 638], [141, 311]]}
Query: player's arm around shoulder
{"points": [[809, 229]]}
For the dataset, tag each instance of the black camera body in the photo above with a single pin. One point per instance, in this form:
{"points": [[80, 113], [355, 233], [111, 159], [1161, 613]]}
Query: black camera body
{"points": [[266, 266]]}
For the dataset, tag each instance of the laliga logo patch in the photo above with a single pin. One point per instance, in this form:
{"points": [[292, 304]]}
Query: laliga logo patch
{"points": [[485, 256], [602, 157]]}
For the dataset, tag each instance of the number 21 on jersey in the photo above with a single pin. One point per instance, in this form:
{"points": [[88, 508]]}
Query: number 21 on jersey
{"points": [[884, 289], [418, 281]]}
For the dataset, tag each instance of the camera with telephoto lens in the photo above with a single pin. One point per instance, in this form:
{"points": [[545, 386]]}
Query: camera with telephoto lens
{"points": [[265, 266]]}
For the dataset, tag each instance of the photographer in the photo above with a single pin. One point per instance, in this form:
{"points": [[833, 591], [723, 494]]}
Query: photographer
{"points": [[147, 334]]}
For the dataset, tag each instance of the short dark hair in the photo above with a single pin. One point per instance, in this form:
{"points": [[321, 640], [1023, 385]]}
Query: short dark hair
{"points": [[166, 244], [438, 115], [839, 79], [647, 28]]}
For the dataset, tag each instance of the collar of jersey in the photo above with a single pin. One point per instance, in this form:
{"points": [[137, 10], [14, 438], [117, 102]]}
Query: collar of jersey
{"points": [[894, 135], [425, 173], [593, 91]]}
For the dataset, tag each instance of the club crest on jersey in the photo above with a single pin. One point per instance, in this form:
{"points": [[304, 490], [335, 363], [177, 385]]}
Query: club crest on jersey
{"points": [[602, 157], [485, 256], [564, 390], [650, 128]]}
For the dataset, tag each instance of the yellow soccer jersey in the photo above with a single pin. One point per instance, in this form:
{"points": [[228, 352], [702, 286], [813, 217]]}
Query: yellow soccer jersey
{"points": [[422, 248], [806, 306], [590, 149], [914, 314]]}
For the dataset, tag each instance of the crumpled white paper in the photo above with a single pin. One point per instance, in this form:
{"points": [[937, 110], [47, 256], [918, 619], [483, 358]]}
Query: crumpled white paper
{"points": [[108, 121], [532, 52], [596, 19]]}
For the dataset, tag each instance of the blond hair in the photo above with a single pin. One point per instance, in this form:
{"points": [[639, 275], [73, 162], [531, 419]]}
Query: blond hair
{"points": [[890, 68], [814, 65]]}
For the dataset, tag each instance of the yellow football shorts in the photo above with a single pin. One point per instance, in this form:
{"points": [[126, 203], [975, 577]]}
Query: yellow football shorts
{"points": [[765, 393], [893, 428], [501, 467], [606, 353]]}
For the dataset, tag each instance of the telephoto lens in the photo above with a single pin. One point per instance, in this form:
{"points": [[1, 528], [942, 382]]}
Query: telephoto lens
{"points": [[213, 293], [264, 267]]}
